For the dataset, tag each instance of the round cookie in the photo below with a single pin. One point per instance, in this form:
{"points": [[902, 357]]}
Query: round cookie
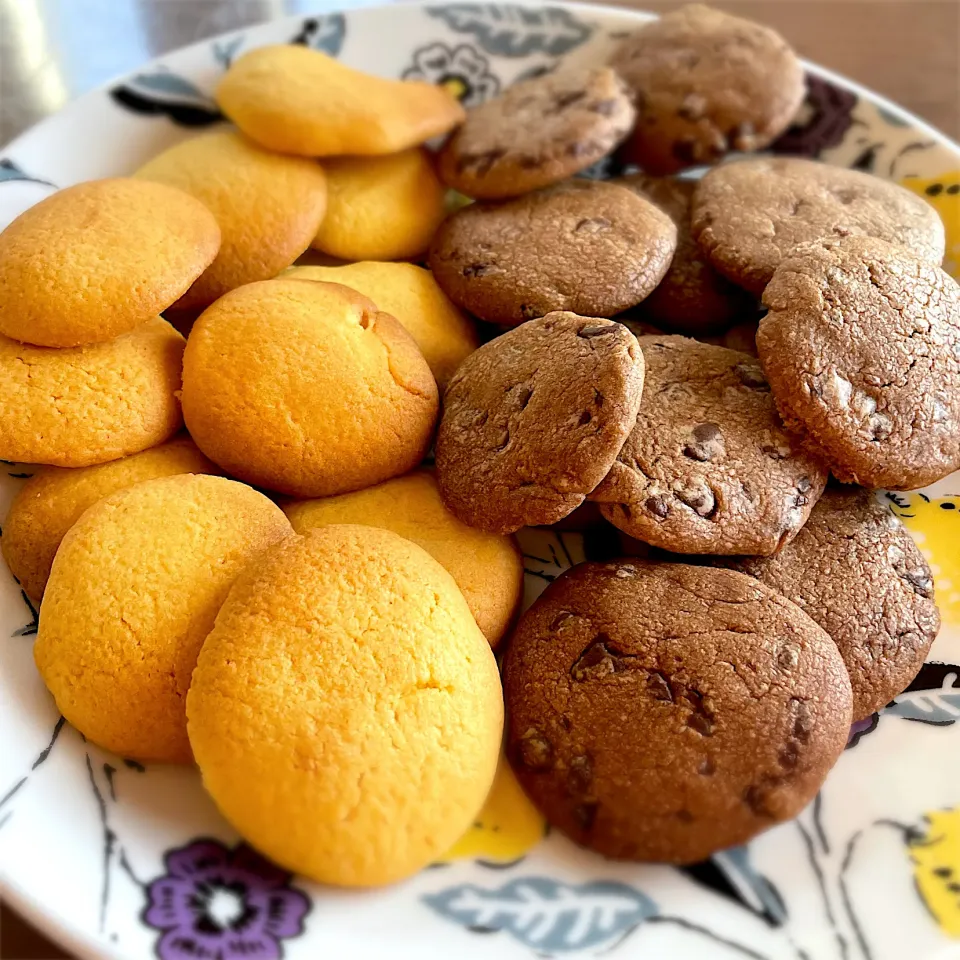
{"points": [[692, 298], [85, 405], [51, 501], [135, 588], [488, 569], [706, 83], [292, 99], [662, 712], [269, 207], [533, 420], [589, 247], [346, 712], [861, 345], [306, 388], [98, 259], [537, 132], [381, 208], [747, 216], [444, 335], [855, 571], [708, 466]]}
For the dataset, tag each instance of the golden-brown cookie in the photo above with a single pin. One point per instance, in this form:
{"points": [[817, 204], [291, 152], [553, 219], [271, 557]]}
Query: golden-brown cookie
{"points": [[706, 83], [85, 405], [49, 504], [381, 208], [134, 589], [538, 132], [660, 711], [346, 712], [445, 336], [97, 259], [533, 420], [292, 99], [861, 345], [306, 388], [268, 206], [747, 216], [709, 467], [590, 247], [488, 568]]}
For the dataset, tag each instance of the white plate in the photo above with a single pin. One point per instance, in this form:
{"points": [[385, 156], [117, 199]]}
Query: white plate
{"points": [[117, 861]]}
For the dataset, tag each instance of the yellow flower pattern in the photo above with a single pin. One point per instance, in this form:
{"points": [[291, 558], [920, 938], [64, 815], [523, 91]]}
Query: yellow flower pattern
{"points": [[507, 828], [943, 193], [936, 868], [935, 525]]}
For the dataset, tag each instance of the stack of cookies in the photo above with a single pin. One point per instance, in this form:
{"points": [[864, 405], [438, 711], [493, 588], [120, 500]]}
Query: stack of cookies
{"points": [[291, 595]]}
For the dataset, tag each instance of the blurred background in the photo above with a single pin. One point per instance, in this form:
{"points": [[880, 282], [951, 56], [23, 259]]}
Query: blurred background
{"points": [[51, 51]]}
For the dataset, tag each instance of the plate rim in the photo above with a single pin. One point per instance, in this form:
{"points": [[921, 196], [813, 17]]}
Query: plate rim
{"points": [[31, 908]]}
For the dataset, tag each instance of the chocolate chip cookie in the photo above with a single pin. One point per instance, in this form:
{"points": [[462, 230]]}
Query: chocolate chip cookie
{"points": [[664, 711], [708, 466], [748, 215], [856, 572], [692, 298], [533, 420], [706, 83], [537, 133], [590, 247], [861, 346]]}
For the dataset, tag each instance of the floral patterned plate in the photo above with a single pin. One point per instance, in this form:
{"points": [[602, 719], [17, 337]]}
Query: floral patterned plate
{"points": [[121, 861]]}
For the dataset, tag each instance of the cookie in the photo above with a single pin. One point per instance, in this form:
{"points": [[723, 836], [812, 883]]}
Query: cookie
{"points": [[292, 99], [346, 712], [49, 504], [706, 83], [85, 405], [307, 389], [663, 712], [488, 569], [708, 466], [134, 589], [537, 133], [747, 216], [855, 571], [533, 420], [444, 335], [692, 298], [741, 336], [268, 206], [381, 208], [589, 247], [95, 260], [861, 344]]}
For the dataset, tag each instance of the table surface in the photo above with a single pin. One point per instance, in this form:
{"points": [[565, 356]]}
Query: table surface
{"points": [[51, 51]]}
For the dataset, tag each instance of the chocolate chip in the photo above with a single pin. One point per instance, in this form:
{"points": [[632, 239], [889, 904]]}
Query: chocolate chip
{"points": [[803, 722], [707, 443], [701, 501], [789, 755], [580, 775], [658, 686], [606, 108], [566, 99], [585, 814], [479, 269], [480, 162], [597, 330], [597, 660], [684, 816], [804, 485], [593, 225], [756, 798], [561, 620], [528, 312], [706, 768], [585, 418], [535, 752], [751, 375], [658, 506]]}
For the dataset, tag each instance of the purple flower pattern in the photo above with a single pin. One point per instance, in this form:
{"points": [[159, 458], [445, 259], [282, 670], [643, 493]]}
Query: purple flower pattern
{"points": [[217, 903]]}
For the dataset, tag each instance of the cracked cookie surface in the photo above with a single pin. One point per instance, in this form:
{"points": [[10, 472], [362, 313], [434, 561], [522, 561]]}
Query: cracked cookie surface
{"points": [[663, 711], [533, 420], [708, 466], [861, 344], [747, 216], [590, 247], [537, 133], [854, 570]]}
